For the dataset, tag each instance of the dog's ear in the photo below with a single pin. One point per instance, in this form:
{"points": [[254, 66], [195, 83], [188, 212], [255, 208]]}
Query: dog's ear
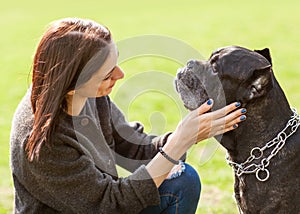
{"points": [[259, 84], [265, 53], [262, 80]]}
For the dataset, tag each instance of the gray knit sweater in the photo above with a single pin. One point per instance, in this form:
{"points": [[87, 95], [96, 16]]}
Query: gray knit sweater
{"points": [[77, 174]]}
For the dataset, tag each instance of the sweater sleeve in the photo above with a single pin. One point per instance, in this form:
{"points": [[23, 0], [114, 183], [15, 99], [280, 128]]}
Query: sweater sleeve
{"points": [[132, 145], [67, 180]]}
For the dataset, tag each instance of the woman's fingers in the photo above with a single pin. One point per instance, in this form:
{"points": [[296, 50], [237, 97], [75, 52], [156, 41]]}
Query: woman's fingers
{"points": [[222, 131], [200, 125], [225, 110], [228, 123], [205, 107], [234, 117]]}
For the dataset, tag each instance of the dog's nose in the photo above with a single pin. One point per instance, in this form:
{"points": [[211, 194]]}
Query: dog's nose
{"points": [[190, 64]]}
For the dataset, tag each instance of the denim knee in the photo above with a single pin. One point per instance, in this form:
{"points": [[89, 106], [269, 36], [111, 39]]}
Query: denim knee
{"points": [[191, 180], [187, 184], [188, 187], [180, 194]]}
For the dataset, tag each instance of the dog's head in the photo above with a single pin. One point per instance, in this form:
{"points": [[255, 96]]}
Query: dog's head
{"points": [[230, 74]]}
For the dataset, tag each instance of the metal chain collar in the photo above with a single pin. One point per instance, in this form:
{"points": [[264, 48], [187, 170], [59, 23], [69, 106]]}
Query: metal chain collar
{"points": [[262, 173]]}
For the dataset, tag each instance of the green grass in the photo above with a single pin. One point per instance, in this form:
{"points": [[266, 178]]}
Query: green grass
{"points": [[205, 25]]}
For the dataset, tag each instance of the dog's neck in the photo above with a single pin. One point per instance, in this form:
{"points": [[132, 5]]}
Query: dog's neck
{"points": [[266, 117]]}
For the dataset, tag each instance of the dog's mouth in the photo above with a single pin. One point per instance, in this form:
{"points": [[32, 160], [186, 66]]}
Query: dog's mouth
{"points": [[190, 86]]}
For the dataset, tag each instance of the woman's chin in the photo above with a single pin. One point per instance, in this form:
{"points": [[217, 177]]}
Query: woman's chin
{"points": [[104, 93]]}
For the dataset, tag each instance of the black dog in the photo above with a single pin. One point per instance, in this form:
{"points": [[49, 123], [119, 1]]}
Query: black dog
{"points": [[265, 150]]}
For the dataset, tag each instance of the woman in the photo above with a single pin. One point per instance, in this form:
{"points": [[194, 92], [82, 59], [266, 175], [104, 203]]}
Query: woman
{"points": [[67, 136]]}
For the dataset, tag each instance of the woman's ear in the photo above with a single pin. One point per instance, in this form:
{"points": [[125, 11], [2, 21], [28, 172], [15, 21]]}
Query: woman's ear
{"points": [[71, 93], [258, 85]]}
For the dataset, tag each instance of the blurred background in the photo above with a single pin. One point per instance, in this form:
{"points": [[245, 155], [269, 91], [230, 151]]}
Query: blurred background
{"points": [[203, 25]]}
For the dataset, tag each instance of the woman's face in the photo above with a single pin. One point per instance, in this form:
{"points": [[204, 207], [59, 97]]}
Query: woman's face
{"points": [[103, 80]]}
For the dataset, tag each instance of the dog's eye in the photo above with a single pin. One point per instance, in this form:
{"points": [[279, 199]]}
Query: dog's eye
{"points": [[213, 62], [214, 67], [214, 58]]}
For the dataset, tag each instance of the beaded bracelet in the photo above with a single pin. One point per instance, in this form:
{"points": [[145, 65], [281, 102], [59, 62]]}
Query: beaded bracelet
{"points": [[168, 157]]}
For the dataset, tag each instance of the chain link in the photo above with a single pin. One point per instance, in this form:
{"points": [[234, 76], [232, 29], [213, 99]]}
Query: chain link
{"points": [[262, 174]]}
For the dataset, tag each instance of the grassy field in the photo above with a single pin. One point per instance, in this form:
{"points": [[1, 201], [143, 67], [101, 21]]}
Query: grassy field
{"points": [[203, 25]]}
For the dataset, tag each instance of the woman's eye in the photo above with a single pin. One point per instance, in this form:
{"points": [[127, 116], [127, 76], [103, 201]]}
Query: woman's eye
{"points": [[109, 74], [108, 77]]}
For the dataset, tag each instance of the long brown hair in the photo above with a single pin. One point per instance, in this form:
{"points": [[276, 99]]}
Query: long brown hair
{"points": [[62, 53]]}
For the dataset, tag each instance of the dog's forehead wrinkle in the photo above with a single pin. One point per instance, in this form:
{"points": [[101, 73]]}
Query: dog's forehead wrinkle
{"points": [[242, 67], [244, 57], [227, 49]]}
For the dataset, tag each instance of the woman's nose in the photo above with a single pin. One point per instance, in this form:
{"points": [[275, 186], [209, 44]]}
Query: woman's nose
{"points": [[117, 73]]}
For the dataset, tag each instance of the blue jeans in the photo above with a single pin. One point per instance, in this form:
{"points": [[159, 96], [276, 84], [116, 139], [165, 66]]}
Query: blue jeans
{"points": [[179, 195]]}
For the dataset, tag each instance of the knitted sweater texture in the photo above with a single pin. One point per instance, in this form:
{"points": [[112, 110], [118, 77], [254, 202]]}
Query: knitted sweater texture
{"points": [[77, 173]]}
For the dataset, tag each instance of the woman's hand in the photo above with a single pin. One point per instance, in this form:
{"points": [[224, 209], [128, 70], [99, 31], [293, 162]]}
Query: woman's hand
{"points": [[200, 124]]}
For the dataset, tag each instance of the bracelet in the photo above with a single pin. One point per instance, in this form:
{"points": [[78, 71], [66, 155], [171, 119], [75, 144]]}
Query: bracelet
{"points": [[168, 157]]}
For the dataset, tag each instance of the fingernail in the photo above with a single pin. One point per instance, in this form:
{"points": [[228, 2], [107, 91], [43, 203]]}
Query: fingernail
{"points": [[243, 117], [209, 102], [235, 126], [244, 111], [238, 104]]}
